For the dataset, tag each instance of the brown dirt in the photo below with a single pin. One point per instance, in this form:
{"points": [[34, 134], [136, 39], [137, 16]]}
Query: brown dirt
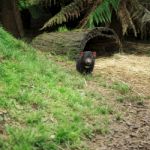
{"points": [[3, 114], [133, 131]]}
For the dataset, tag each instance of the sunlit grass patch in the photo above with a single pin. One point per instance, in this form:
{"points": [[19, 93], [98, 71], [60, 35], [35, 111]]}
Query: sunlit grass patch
{"points": [[104, 110], [121, 87]]}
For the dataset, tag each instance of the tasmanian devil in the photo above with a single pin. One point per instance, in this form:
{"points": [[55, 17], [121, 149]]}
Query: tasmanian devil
{"points": [[86, 61]]}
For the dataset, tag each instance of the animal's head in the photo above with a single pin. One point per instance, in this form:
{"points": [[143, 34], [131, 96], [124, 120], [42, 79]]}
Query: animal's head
{"points": [[88, 57]]}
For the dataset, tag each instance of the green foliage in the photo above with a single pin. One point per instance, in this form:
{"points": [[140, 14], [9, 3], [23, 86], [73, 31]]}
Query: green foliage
{"points": [[123, 88], [102, 13], [71, 11], [28, 3], [104, 110], [24, 4], [63, 29]]}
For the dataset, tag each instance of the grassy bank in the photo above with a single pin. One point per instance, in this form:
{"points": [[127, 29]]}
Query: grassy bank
{"points": [[42, 105]]}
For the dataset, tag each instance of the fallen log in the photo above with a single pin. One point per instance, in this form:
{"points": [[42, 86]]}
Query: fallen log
{"points": [[101, 39]]}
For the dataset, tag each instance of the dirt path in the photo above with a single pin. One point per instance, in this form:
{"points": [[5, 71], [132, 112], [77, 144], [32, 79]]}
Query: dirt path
{"points": [[133, 132]]}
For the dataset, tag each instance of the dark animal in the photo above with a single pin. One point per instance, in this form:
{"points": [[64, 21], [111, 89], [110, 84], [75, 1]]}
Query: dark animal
{"points": [[86, 61]]}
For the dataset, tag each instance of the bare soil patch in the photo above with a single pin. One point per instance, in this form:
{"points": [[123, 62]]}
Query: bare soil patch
{"points": [[132, 133]]}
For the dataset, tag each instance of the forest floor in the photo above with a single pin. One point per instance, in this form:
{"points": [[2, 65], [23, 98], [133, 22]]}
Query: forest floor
{"points": [[133, 131], [124, 81]]}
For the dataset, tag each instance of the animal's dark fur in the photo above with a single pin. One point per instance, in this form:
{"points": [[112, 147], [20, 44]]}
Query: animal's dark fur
{"points": [[86, 61]]}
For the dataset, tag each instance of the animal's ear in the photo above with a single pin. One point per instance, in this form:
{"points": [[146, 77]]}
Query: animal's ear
{"points": [[81, 53], [94, 54]]}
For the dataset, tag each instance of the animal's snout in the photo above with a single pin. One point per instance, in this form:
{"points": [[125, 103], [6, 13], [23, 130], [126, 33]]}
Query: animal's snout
{"points": [[88, 61]]}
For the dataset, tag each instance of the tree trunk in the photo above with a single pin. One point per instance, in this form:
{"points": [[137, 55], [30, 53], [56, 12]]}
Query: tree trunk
{"points": [[11, 19], [116, 25], [102, 40]]}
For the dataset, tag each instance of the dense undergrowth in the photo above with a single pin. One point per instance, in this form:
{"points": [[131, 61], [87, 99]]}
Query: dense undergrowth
{"points": [[42, 105]]}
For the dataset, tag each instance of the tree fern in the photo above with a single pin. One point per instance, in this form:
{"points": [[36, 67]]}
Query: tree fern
{"points": [[69, 12], [131, 13], [103, 12]]}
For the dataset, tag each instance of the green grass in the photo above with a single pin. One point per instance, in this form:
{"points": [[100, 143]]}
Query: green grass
{"points": [[131, 98], [121, 87], [47, 107], [63, 29]]}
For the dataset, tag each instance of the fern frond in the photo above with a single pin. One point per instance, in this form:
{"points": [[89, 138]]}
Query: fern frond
{"points": [[140, 16], [102, 14], [71, 11], [42, 2], [125, 18]]}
